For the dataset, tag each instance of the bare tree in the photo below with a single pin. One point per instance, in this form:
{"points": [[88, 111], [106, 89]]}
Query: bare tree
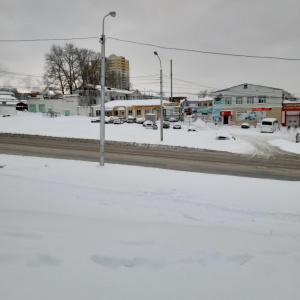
{"points": [[54, 68], [88, 66], [69, 67], [202, 94]]}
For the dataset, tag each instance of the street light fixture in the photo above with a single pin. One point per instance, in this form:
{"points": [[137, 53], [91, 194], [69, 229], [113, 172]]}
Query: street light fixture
{"points": [[102, 107], [161, 97]]}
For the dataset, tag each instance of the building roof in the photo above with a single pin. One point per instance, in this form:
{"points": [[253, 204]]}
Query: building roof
{"points": [[200, 99], [247, 84], [130, 103]]}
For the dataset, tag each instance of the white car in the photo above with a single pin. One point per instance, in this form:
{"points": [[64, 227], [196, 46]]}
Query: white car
{"points": [[245, 125], [177, 126], [172, 119], [140, 120], [118, 121], [148, 123]]}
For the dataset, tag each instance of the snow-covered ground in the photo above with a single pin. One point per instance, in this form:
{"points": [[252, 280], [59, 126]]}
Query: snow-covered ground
{"points": [[249, 141], [75, 230]]}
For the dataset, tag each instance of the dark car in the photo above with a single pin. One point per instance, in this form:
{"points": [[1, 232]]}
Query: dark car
{"points": [[166, 124]]}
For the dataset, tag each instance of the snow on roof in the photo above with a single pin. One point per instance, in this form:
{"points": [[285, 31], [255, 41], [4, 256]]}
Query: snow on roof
{"points": [[291, 102], [130, 103], [7, 93], [199, 99], [7, 97], [98, 87]]}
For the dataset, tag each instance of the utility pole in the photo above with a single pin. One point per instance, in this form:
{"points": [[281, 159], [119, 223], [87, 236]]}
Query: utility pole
{"points": [[171, 83]]}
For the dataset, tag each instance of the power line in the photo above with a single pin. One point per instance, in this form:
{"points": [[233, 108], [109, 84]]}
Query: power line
{"points": [[152, 45], [48, 40], [20, 74], [206, 52]]}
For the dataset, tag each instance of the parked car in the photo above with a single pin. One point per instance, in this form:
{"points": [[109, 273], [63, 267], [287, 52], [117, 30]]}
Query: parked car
{"points": [[112, 119], [95, 120], [166, 124], [140, 120], [131, 119], [172, 119], [148, 123], [191, 128], [245, 125], [118, 121], [222, 135], [177, 126]]}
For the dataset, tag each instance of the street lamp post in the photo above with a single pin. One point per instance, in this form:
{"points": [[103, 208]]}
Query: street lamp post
{"points": [[161, 101], [102, 107]]}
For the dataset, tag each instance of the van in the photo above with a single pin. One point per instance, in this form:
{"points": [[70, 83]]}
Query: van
{"points": [[269, 125]]}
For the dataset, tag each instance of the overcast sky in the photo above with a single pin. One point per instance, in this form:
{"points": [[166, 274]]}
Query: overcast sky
{"points": [[254, 28]]}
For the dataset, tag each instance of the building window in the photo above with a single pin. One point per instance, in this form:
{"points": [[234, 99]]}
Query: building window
{"points": [[227, 101], [130, 112], [239, 100], [205, 103], [250, 100], [138, 112], [262, 99], [245, 86], [147, 111]]}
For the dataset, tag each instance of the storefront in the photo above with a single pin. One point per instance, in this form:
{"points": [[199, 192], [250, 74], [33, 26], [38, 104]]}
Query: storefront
{"points": [[291, 114], [226, 117]]}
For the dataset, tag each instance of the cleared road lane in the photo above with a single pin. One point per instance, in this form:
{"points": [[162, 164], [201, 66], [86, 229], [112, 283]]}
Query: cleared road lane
{"points": [[284, 166]]}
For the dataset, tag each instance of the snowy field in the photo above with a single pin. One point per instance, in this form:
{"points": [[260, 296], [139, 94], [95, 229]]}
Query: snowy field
{"points": [[75, 230]]}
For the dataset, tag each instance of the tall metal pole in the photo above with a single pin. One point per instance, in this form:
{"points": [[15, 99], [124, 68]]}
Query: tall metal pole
{"points": [[161, 104], [161, 99], [171, 83], [102, 107]]}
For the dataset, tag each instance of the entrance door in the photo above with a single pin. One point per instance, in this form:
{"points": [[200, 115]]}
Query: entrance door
{"points": [[225, 120]]}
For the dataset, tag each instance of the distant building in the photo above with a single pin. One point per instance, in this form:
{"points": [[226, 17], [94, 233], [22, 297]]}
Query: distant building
{"points": [[8, 103], [117, 72], [248, 103], [135, 108]]}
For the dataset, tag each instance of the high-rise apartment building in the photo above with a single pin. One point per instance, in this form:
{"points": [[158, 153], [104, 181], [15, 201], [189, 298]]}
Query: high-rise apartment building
{"points": [[117, 72]]}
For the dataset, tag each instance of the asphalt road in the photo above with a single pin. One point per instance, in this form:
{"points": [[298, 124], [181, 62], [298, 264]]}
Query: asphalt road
{"points": [[281, 166]]}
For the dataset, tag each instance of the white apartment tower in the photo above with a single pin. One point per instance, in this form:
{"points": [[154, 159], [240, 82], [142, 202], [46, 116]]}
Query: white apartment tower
{"points": [[117, 74]]}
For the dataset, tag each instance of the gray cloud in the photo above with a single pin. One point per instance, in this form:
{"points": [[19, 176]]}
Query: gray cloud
{"points": [[266, 28]]}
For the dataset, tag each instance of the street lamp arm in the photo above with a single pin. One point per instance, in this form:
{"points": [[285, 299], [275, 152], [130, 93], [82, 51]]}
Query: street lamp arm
{"points": [[113, 14]]}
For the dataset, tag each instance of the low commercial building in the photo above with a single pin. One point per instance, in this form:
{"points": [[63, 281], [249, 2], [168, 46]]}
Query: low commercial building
{"points": [[248, 103], [135, 108], [67, 106]]}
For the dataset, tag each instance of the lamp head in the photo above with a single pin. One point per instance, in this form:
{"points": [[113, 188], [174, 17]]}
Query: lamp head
{"points": [[113, 13], [155, 53]]}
